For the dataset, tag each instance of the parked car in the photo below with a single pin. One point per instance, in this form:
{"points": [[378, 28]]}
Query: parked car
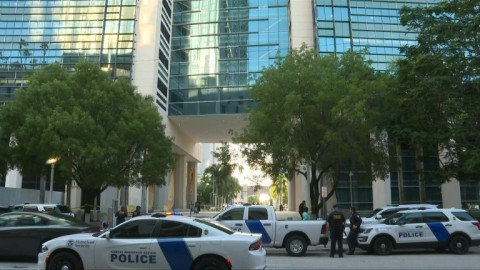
{"points": [[279, 230], [453, 229], [144, 242], [5, 209], [23, 233], [44, 207], [380, 214]]}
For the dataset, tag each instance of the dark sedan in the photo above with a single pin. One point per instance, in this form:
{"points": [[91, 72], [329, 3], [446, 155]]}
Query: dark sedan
{"points": [[23, 233]]}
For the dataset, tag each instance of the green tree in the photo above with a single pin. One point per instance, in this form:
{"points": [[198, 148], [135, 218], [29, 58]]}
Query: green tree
{"points": [[439, 82], [105, 133], [205, 189], [313, 115], [224, 184], [253, 199], [279, 189]]}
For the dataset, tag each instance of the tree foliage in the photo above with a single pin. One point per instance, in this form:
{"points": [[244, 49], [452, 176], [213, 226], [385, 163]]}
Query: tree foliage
{"points": [[105, 133], [315, 113], [439, 85], [219, 175]]}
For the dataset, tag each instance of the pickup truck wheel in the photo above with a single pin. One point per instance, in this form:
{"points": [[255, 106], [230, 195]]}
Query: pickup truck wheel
{"points": [[296, 245]]}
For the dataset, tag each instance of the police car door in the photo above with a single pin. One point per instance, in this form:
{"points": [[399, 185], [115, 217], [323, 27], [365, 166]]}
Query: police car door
{"points": [[440, 227], [258, 222], [127, 246], [234, 218], [176, 246], [411, 229]]}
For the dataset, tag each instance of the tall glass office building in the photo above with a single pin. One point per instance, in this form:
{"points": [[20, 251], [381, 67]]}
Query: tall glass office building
{"points": [[197, 58], [35, 33]]}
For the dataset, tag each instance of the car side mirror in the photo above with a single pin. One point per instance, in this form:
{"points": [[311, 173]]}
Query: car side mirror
{"points": [[107, 235], [378, 217]]}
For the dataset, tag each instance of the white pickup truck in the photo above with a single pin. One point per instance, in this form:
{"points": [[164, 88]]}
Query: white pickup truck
{"points": [[289, 232]]}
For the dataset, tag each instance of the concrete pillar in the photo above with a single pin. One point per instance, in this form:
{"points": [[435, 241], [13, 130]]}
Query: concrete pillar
{"points": [[451, 196], [292, 198], [301, 24], [382, 192], [13, 179], [181, 183]]}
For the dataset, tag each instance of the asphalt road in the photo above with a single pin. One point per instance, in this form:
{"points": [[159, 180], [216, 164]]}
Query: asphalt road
{"points": [[318, 258]]}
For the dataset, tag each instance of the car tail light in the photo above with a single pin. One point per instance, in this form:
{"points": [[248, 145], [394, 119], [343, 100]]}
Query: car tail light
{"points": [[256, 246], [477, 223], [324, 229]]}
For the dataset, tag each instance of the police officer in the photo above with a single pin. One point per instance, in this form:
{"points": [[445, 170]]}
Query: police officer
{"points": [[355, 222], [336, 222]]}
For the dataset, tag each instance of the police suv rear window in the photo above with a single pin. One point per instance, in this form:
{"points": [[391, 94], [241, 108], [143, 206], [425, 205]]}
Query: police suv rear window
{"points": [[464, 216]]}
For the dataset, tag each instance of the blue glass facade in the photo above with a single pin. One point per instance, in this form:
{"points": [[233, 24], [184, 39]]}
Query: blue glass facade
{"points": [[359, 24], [35, 33], [218, 48]]}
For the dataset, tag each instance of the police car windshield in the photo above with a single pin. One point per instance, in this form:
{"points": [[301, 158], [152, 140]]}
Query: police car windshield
{"points": [[216, 226], [393, 219]]}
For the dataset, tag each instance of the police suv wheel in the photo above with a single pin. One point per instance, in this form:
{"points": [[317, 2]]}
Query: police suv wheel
{"points": [[65, 261], [296, 245], [458, 244], [211, 263], [382, 246]]}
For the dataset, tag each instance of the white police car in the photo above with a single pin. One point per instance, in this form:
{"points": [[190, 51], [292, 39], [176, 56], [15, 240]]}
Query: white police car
{"points": [[380, 214], [454, 229], [156, 243]]}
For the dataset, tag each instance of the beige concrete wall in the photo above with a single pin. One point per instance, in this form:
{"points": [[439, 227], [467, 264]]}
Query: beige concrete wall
{"points": [[301, 22]]}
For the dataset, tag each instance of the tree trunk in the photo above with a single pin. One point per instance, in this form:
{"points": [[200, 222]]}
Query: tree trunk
{"points": [[88, 198], [399, 171], [420, 172]]}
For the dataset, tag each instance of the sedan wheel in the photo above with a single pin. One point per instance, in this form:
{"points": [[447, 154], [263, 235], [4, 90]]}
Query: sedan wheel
{"points": [[65, 261]]}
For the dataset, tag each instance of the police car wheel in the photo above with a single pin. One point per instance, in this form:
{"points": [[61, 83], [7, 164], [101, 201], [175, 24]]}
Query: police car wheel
{"points": [[211, 263], [65, 261], [458, 244], [382, 246], [296, 245]]}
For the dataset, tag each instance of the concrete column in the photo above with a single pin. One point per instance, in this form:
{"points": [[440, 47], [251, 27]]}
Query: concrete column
{"points": [[301, 24], [292, 198], [382, 192], [181, 183], [451, 196], [13, 179]]}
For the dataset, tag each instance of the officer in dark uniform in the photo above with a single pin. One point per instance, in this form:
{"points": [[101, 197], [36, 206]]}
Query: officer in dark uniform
{"points": [[355, 222], [336, 222]]}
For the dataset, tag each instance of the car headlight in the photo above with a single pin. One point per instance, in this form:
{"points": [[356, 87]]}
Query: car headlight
{"points": [[366, 231], [44, 248]]}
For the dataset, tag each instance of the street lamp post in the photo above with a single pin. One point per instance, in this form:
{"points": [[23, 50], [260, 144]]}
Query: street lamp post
{"points": [[51, 161], [351, 190]]}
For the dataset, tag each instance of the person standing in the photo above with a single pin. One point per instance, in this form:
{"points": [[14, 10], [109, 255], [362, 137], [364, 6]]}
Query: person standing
{"points": [[196, 208], [305, 214], [336, 222], [137, 211], [300, 208], [121, 215], [355, 222]]}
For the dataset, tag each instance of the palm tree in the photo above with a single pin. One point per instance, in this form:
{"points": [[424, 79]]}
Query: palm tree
{"points": [[279, 189]]}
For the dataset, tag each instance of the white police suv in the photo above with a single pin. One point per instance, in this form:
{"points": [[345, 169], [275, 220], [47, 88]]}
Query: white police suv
{"points": [[453, 229], [156, 243]]}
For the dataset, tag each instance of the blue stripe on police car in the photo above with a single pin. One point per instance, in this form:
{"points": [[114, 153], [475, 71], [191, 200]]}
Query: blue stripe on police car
{"points": [[439, 230], [255, 226], [176, 252]]}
